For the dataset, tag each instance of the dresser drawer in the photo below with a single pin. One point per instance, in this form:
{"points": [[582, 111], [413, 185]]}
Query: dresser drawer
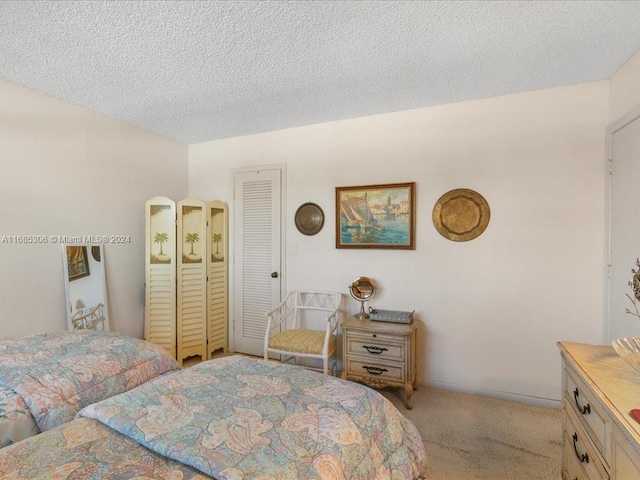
{"points": [[360, 367], [572, 470], [381, 346], [580, 450], [581, 401]]}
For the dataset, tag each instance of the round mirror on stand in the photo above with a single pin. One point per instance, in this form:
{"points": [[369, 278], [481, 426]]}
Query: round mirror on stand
{"points": [[362, 289]]}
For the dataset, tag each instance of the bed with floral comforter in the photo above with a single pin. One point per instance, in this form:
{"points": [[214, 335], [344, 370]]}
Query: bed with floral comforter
{"points": [[46, 379], [230, 418], [16, 421]]}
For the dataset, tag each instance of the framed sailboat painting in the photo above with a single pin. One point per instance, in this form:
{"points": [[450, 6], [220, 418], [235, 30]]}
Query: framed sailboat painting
{"points": [[376, 216]]}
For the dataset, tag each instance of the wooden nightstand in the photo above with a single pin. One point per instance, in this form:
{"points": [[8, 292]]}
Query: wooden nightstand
{"points": [[380, 354]]}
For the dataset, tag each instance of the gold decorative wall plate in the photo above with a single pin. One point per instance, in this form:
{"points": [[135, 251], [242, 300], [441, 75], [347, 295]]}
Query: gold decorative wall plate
{"points": [[461, 215]]}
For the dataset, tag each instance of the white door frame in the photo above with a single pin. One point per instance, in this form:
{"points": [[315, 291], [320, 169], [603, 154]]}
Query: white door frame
{"points": [[612, 129], [232, 241]]}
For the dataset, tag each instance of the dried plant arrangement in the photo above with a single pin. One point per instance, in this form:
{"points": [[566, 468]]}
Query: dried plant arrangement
{"points": [[634, 283]]}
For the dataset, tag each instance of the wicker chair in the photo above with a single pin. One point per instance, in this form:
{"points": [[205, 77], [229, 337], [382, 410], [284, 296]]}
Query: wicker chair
{"points": [[288, 328]]}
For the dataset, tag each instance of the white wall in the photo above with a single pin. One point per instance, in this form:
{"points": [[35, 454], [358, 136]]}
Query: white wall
{"points": [[491, 309], [69, 171]]}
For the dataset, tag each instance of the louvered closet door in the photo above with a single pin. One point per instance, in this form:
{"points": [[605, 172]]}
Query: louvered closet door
{"points": [[257, 272], [160, 277], [192, 279]]}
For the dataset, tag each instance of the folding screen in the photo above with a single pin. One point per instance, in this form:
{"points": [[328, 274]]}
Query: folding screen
{"points": [[186, 304]]}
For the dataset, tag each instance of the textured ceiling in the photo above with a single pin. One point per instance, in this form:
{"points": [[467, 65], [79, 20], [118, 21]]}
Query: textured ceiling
{"points": [[198, 71]]}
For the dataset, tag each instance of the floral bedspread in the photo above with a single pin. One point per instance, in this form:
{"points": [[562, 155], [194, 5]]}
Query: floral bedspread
{"points": [[57, 374], [16, 421], [88, 450], [240, 418]]}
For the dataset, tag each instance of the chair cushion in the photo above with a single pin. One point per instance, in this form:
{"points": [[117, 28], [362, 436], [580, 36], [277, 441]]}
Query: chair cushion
{"points": [[302, 341]]}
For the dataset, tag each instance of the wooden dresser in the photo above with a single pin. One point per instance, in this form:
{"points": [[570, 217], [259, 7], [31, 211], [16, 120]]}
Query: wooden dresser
{"points": [[380, 354], [600, 439]]}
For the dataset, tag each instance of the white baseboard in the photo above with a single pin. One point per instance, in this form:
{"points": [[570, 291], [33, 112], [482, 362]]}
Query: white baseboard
{"points": [[513, 397]]}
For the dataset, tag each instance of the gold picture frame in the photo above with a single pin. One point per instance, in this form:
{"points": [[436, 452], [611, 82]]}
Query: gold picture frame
{"points": [[376, 216]]}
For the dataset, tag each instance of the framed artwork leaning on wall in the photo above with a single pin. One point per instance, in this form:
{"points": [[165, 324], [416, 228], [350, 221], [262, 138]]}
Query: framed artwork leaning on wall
{"points": [[376, 216], [77, 262]]}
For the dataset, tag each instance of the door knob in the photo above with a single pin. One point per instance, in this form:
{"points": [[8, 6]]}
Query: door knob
{"points": [[274, 274]]}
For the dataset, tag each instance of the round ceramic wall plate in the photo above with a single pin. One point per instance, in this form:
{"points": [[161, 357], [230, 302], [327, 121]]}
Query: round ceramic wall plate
{"points": [[461, 215], [309, 218]]}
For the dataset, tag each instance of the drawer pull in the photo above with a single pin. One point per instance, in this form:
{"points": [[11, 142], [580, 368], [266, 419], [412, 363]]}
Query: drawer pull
{"points": [[376, 350], [583, 410], [375, 370], [584, 458]]}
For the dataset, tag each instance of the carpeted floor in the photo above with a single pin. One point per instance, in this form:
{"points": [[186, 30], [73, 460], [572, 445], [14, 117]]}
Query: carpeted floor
{"points": [[471, 437]]}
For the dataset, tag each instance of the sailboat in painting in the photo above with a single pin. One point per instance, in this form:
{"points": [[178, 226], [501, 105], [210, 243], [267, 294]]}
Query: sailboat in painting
{"points": [[357, 214], [349, 216]]}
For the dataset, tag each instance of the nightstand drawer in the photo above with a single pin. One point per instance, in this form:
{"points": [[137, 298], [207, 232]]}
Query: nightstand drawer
{"points": [[371, 369], [378, 347]]}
